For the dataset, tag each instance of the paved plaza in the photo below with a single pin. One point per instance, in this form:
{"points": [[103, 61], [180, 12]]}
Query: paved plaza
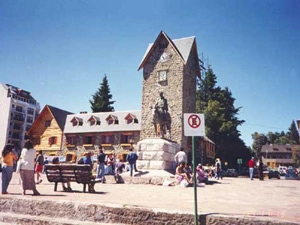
{"points": [[271, 198]]}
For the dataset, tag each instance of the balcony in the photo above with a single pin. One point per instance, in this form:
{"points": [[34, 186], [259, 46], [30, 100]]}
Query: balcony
{"points": [[18, 118]]}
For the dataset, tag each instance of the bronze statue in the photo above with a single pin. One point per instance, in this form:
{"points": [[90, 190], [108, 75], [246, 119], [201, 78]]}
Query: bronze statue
{"points": [[161, 117]]}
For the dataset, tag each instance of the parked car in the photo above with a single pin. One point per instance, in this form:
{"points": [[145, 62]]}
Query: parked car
{"points": [[291, 174], [273, 174], [231, 173]]}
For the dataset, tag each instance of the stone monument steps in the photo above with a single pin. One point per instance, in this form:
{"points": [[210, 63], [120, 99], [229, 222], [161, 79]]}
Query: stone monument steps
{"points": [[21, 219]]}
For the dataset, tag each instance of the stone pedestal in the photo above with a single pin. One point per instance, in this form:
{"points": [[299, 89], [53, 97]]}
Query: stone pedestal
{"points": [[156, 153]]}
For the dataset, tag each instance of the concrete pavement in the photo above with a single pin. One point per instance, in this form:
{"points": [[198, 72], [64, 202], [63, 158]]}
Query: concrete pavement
{"points": [[275, 200]]}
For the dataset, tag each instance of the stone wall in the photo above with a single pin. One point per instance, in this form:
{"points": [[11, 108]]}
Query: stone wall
{"points": [[156, 153], [179, 89]]}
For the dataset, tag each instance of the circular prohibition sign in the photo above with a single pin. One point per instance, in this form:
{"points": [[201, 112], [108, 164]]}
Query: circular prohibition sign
{"points": [[194, 121]]}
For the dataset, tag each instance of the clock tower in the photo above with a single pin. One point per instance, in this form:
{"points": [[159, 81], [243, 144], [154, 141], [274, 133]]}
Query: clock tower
{"points": [[170, 67]]}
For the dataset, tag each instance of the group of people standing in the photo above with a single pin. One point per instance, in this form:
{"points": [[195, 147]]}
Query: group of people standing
{"points": [[27, 167], [259, 165]]}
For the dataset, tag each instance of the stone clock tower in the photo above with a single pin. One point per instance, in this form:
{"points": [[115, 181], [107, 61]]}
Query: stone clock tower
{"points": [[169, 67]]}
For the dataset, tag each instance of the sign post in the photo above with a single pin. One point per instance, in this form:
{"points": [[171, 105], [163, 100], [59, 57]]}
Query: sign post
{"points": [[194, 126]]}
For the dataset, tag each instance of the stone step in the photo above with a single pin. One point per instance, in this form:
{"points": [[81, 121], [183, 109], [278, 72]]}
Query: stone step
{"points": [[21, 219]]}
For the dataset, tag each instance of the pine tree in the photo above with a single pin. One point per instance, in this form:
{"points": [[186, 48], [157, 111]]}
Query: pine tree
{"points": [[293, 134], [101, 101], [221, 120]]}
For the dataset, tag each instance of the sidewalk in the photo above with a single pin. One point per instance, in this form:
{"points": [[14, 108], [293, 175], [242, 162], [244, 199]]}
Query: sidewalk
{"points": [[268, 199]]}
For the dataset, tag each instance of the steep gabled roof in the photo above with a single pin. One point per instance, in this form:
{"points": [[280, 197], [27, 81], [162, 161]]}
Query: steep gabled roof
{"points": [[278, 148], [59, 115], [181, 46]]}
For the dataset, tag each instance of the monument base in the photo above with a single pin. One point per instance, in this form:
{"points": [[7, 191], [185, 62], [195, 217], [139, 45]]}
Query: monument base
{"points": [[156, 153]]}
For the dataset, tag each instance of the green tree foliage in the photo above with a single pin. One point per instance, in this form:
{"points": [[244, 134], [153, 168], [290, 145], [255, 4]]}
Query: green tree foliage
{"points": [[280, 138], [101, 101], [258, 141], [221, 119], [293, 134], [296, 156]]}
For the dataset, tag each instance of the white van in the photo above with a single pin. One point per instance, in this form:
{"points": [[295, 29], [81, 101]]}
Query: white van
{"points": [[282, 170]]}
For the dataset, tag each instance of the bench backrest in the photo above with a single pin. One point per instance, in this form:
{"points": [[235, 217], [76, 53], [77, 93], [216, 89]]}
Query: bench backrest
{"points": [[68, 172]]}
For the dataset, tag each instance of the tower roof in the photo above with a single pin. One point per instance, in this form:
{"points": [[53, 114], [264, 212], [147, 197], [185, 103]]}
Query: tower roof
{"points": [[181, 46]]}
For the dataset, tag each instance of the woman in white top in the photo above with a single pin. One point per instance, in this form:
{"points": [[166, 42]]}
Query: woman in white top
{"points": [[27, 158]]}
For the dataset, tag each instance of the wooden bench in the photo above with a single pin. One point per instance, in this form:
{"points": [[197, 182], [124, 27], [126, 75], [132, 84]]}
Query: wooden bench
{"points": [[60, 173]]}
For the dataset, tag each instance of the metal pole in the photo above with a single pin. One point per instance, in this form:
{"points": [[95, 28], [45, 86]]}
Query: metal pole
{"points": [[195, 181]]}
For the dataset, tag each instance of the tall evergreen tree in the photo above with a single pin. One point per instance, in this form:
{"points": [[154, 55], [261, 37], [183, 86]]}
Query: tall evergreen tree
{"points": [[101, 101], [221, 120], [293, 134]]}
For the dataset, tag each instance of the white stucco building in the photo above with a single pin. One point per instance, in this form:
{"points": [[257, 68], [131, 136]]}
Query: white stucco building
{"points": [[18, 110]]}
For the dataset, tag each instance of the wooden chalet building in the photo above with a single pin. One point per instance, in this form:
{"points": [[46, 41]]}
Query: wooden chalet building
{"points": [[275, 155], [46, 132]]}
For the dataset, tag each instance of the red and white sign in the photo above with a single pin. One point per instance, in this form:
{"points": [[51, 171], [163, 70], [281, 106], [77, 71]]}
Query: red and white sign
{"points": [[194, 124]]}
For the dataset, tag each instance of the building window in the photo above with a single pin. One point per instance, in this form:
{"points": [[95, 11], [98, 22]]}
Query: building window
{"points": [[71, 140], [27, 127], [47, 123], [52, 140], [88, 140], [126, 138], [112, 121], [19, 108], [30, 111], [162, 75], [107, 139], [29, 119]]}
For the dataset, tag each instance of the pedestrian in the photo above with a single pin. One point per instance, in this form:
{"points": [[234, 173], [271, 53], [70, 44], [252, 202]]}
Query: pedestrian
{"points": [[55, 160], [261, 169], [101, 166], [39, 164], [8, 158], [46, 161], [131, 158], [218, 169], [251, 165], [27, 158], [180, 157], [87, 160]]}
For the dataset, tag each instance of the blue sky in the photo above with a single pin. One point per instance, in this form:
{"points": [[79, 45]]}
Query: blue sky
{"points": [[60, 51]]}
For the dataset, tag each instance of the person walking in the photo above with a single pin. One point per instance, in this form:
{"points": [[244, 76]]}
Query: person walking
{"points": [[180, 157], [218, 166], [101, 166], [39, 164], [27, 158], [251, 165], [131, 158], [8, 158]]}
